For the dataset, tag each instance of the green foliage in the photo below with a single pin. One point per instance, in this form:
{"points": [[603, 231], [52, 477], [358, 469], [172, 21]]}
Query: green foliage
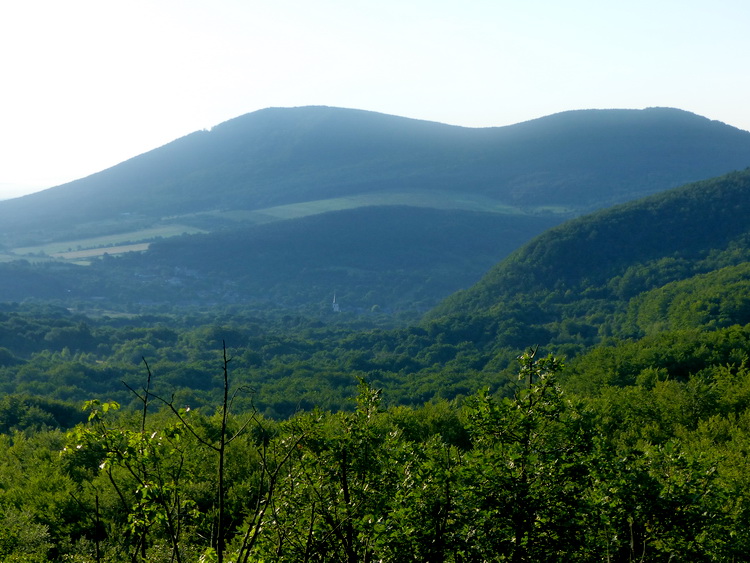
{"points": [[678, 355], [715, 300], [21, 413], [144, 469], [528, 468], [22, 540], [654, 472], [341, 478]]}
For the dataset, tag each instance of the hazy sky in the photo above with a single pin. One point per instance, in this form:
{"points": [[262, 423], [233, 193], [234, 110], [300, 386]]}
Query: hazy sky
{"points": [[86, 84]]}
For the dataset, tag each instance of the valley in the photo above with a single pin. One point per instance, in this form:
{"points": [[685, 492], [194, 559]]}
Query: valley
{"points": [[173, 226], [534, 353], [273, 202]]}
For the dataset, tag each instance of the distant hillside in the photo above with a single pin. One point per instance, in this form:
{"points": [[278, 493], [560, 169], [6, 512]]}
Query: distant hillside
{"points": [[387, 257], [576, 280], [398, 187], [577, 160]]}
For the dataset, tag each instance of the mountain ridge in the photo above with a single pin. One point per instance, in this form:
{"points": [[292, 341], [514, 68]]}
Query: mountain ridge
{"points": [[286, 155]]}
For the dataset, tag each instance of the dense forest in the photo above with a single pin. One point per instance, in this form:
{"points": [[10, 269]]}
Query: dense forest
{"points": [[651, 467], [579, 405]]}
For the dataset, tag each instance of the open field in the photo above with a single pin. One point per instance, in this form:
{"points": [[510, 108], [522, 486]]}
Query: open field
{"points": [[96, 252], [436, 200], [417, 198], [80, 250], [105, 242]]}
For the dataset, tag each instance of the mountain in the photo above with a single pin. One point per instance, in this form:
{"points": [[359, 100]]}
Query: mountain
{"points": [[319, 178], [578, 159]]}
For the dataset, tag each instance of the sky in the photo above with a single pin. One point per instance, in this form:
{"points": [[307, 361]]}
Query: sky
{"points": [[87, 84]]}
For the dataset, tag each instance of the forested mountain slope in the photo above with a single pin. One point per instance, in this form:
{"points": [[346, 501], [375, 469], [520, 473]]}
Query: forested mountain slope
{"points": [[576, 276]]}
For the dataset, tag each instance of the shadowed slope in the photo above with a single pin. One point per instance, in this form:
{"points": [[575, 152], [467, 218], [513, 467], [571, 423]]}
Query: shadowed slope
{"points": [[578, 160]]}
